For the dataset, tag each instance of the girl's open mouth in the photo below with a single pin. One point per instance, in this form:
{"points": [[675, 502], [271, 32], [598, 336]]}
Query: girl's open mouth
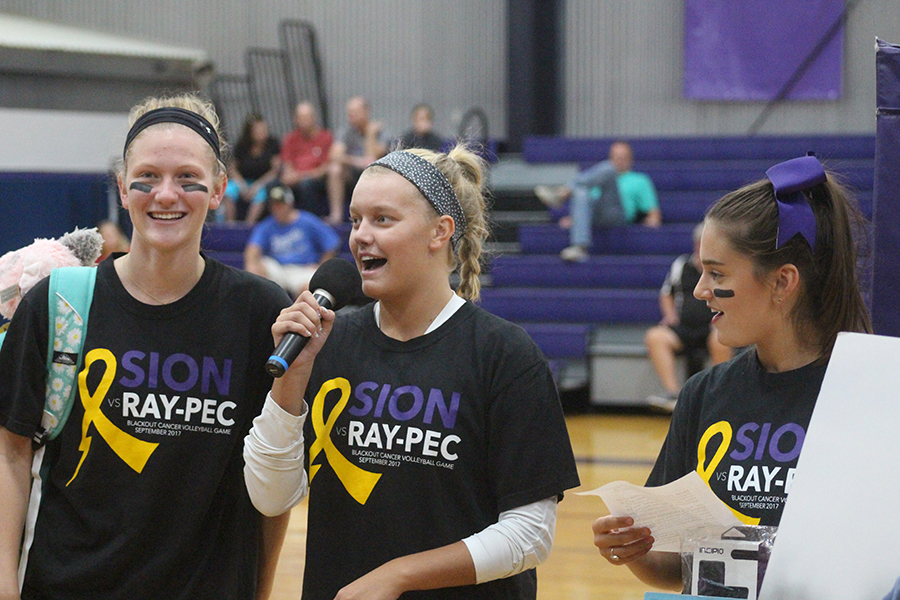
{"points": [[371, 263]]}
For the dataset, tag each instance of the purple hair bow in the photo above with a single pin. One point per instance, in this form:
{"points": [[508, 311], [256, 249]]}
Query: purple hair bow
{"points": [[790, 179]]}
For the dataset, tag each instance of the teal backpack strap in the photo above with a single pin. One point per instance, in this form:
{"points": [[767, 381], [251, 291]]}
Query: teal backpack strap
{"points": [[70, 296]]}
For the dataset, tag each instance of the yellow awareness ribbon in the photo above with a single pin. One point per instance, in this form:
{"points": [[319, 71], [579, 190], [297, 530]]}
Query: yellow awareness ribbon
{"points": [[358, 482], [706, 471], [133, 451]]}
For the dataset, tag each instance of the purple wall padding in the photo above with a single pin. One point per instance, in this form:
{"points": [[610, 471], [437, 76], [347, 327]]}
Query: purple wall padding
{"points": [[885, 221], [47, 205]]}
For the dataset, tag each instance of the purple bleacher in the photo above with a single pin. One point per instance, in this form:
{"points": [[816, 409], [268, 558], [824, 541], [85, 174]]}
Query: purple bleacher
{"points": [[228, 257], [225, 237], [572, 305], [562, 304], [691, 173], [687, 206], [730, 175], [697, 176], [560, 340], [343, 230], [225, 242], [690, 206], [549, 271], [634, 239], [550, 149]]}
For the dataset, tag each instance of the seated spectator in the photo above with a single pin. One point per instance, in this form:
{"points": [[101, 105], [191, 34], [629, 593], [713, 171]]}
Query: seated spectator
{"points": [[304, 160], [254, 165], [289, 245], [114, 239], [606, 195], [422, 133], [684, 329], [358, 144]]}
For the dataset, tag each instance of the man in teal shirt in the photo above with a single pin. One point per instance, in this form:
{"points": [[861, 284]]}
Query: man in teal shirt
{"points": [[606, 195]]}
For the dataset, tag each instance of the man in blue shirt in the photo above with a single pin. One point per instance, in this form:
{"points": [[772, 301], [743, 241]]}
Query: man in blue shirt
{"points": [[289, 245]]}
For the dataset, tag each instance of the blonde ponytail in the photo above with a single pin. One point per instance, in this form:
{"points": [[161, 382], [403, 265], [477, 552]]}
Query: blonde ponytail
{"points": [[465, 171]]}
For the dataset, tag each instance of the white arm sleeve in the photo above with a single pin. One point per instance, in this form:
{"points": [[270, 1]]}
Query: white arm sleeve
{"points": [[520, 540], [273, 460]]}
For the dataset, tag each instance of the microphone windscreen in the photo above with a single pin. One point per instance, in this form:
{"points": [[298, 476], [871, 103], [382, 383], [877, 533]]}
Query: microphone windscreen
{"points": [[339, 278]]}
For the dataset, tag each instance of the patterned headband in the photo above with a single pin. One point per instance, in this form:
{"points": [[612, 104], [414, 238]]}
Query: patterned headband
{"points": [[173, 114], [431, 182]]}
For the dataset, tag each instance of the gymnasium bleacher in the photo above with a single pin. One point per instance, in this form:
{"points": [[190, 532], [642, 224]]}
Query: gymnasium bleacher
{"points": [[589, 318]]}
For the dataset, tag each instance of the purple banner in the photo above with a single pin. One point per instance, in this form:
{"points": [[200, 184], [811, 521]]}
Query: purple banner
{"points": [[750, 49]]}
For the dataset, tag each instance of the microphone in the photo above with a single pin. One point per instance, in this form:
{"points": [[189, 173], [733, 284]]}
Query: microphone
{"points": [[335, 281]]}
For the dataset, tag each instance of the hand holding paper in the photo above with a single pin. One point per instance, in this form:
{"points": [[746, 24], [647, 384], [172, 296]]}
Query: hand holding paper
{"points": [[685, 507]]}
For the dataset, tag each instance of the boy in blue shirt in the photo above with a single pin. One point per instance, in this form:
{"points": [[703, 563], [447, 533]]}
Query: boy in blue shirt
{"points": [[289, 245]]}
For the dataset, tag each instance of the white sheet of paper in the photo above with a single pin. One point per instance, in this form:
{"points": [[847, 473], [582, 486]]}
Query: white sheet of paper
{"points": [[684, 508]]}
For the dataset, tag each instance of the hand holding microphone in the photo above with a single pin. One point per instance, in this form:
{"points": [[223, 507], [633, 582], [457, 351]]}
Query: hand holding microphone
{"points": [[333, 283]]}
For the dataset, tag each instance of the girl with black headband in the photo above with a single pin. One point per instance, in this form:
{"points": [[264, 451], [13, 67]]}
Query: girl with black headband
{"points": [[143, 494], [780, 277], [435, 441]]}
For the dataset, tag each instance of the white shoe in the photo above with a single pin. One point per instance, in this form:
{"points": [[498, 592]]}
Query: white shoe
{"points": [[551, 195], [665, 402], [574, 254]]}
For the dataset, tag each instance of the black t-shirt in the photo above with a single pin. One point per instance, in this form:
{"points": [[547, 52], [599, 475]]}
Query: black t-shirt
{"points": [[144, 496], [415, 445], [253, 167], [741, 428]]}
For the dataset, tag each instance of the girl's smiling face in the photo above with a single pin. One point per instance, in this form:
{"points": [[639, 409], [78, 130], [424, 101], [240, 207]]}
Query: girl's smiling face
{"points": [[749, 316], [168, 187], [393, 236]]}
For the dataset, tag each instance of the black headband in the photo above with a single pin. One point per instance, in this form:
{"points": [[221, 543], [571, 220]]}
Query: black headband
{"points": [[173, 114]]}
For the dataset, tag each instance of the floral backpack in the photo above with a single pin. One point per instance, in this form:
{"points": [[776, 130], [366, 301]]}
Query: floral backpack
{"points": [[71, 291]]}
